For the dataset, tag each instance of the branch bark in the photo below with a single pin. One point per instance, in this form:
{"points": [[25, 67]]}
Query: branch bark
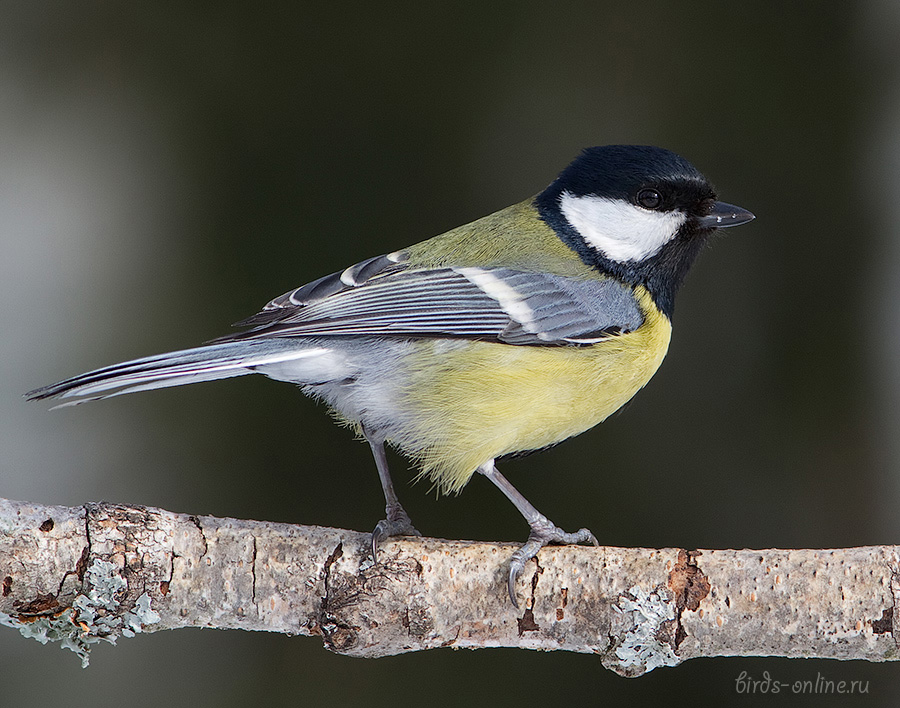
{"points": [[97, 572]]}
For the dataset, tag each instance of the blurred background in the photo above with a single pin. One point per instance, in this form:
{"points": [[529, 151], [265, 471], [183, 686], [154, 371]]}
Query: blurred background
{"points": [[166, 169]]}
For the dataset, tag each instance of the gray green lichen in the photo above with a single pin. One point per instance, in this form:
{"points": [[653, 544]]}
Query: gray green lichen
{"points": [[92, 616]]}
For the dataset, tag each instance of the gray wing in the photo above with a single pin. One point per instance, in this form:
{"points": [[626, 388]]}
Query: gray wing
{"points": [[382, 296]]}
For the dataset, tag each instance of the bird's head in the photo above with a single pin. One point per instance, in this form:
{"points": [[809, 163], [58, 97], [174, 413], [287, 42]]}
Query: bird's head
{"points": [[637, 212]]}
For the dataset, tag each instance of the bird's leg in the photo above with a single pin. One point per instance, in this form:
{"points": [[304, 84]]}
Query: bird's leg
{"points": [[397, 522], [543, 531]]}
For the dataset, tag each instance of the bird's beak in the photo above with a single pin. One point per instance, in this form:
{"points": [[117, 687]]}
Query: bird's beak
{"points": [[722, 215]]}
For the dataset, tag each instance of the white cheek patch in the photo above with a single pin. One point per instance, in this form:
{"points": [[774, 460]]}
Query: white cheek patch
{"points": [[619, 230]]}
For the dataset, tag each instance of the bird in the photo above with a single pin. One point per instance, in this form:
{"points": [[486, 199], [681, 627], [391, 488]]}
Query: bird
{"points": [[506, 335]]}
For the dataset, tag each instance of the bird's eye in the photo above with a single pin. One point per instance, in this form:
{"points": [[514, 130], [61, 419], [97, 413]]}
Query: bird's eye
{"points": [[649, 198]]}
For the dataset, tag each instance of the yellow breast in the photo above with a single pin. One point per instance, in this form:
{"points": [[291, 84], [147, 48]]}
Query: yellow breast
{"points": [[476, 401]]}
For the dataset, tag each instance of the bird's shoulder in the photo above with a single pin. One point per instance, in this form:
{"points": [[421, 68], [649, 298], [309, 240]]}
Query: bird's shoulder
{"points": [[515, 237], [505, 278]]}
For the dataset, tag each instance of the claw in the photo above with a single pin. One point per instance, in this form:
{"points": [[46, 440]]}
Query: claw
{"points": [[397, 523], [543, 533], [511, 583]]}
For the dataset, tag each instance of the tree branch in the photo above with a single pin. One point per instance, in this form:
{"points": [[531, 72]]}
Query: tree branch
{"points": [[80, 575]]}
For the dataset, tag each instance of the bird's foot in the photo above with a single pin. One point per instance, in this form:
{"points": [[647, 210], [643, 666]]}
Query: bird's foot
{"points": [[397, 523], [543, 533]]}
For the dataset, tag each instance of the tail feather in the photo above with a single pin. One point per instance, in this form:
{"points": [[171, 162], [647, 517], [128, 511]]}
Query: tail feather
{"points": [[206, 363]]}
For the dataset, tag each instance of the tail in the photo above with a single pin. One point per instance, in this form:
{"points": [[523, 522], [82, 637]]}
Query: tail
{"points": [[206, 363]]}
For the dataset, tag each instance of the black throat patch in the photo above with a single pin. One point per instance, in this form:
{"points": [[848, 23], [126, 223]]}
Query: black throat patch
{"points": [[662, 274]]}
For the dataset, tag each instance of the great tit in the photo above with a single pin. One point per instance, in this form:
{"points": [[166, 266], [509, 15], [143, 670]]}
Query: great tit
{"points": [[506, 335]]}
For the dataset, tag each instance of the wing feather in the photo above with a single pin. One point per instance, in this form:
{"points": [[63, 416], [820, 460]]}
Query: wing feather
{"points": [[384, 296]]}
